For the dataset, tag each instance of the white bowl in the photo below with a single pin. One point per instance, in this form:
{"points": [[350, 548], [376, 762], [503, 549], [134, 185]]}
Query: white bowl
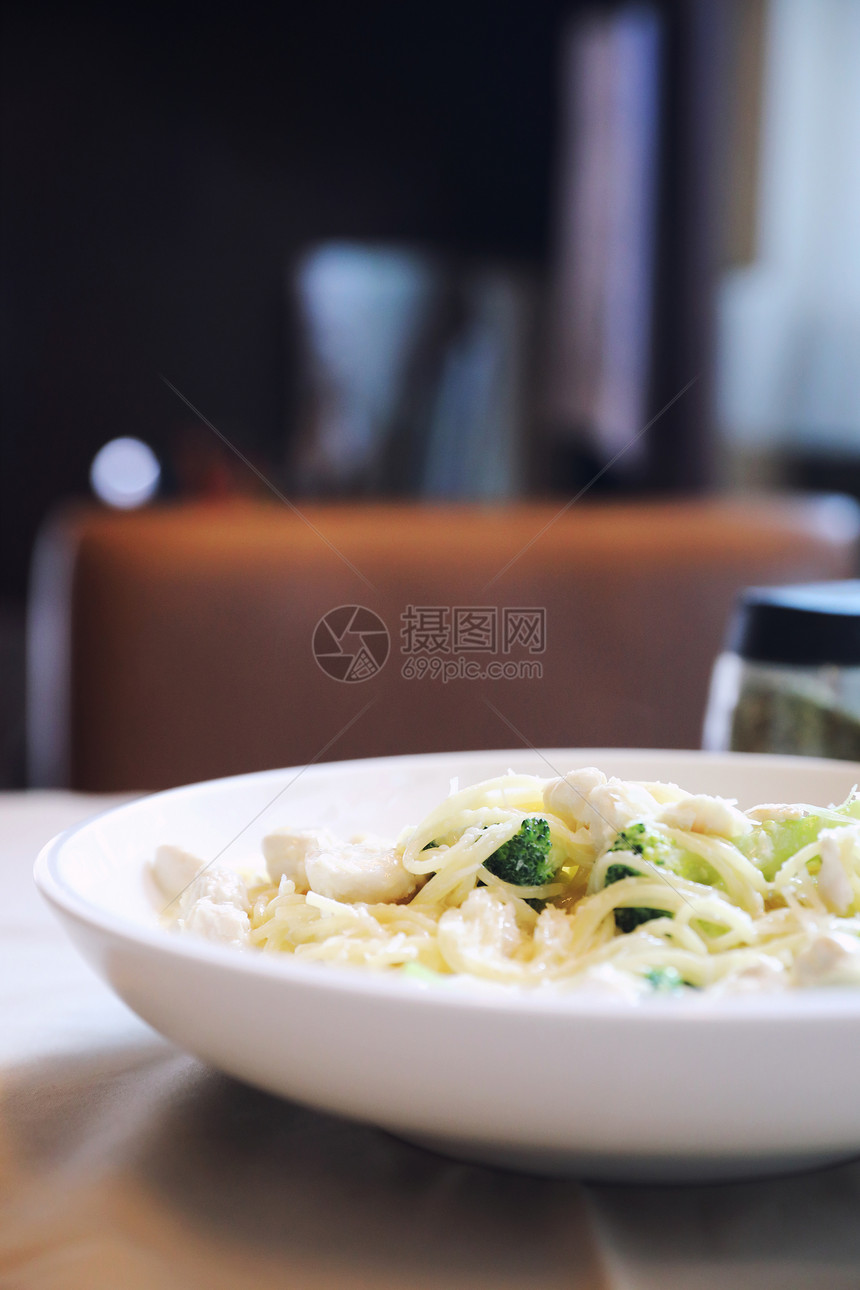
{"points": [[663, 1089]]}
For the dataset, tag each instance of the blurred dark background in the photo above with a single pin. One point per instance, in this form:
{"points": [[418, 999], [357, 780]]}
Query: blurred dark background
{"points": [[167, 171], [163, 164]]}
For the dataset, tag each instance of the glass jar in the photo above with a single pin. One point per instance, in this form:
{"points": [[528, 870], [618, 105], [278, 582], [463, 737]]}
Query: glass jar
{"points": [[789, 681]]}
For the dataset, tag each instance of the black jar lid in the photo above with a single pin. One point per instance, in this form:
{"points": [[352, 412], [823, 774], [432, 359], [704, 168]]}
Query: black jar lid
{"points": [[811, 624]]}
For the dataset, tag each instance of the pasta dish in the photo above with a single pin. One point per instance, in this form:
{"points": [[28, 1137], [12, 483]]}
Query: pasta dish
{"points": [[569, 882]]}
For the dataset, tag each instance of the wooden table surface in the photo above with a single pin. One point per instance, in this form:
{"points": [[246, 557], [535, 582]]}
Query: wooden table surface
{"points": [[127, 1165]]}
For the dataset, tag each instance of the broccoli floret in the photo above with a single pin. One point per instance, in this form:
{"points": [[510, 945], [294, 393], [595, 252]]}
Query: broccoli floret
{"points": [[650, 846], [772, 843], [626, 918], [525, 859], [616, 872], [665, 979], [657, 849]]}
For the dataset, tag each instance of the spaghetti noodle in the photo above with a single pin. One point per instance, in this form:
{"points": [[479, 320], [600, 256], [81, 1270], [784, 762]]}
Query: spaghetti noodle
{"points": [[650, 888]]}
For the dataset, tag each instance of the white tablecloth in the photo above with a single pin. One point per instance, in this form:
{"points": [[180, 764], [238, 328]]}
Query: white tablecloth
{"points": [[126, 1165]]}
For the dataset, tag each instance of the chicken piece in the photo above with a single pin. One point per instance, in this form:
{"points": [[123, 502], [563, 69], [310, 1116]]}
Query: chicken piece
{"points": [[285, 852], [217, 921], [777, 811], [622, 801], [370, 871], [831, 959], [214, 904], [567, 797], [174, 870], [217, 884], [700, 814], [586, 797], [840, 849], [553, 933], [483, 929], [616, 804], [664, 792]]}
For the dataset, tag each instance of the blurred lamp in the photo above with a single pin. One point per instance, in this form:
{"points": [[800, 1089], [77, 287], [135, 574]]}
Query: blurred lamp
{"points": [[125, 473]]}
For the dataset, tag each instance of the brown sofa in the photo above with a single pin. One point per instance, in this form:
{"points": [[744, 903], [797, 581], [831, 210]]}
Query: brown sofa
{"points": [[175, 643]]}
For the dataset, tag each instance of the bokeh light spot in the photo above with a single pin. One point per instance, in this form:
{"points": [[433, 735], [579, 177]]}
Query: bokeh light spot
{"points": [[125, 473]]}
